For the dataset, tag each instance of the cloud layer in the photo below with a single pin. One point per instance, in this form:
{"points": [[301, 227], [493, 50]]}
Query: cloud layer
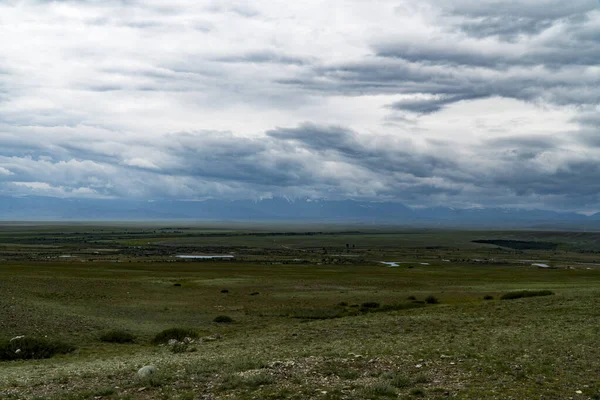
{"points": [[462, 103]]}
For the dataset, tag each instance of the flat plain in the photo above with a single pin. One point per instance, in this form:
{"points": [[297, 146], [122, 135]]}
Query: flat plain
{"points": [[313, 311]]}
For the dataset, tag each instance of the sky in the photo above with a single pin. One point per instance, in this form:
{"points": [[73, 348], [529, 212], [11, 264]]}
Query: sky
{"points": [[462, 103]]}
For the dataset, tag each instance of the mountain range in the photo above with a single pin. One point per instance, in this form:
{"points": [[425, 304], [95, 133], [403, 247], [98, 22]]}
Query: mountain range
{"points": [[35, 208]]}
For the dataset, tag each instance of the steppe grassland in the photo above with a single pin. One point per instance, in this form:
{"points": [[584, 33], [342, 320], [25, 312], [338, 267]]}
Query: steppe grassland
{"points": [[293, 339]]}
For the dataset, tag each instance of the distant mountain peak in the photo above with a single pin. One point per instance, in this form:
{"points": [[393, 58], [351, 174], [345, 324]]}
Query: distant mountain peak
{"points": [[282, 209]]}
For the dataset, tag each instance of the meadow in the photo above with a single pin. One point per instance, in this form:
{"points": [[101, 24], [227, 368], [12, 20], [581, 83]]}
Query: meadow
{"points": [[299, 312]]}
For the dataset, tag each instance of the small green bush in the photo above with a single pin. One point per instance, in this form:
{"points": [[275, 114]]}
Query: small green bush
{"points": [[343, 304], [488, 297], [411, 298], [370, 304], [174, 333], [28, 348], [260, 379], [223, 319], [399, 307], [180, 347], [117, 336], [526, 293], [314, 313], [236, 381], [398, 380], [432, 300], [380, 389], [417, 392]]}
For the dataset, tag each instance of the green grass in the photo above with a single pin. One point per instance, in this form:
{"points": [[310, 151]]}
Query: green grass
{"points": [[526, 293], [118, 336], [306, 332], [178, 334], [379, 389], [223, 319], [31, 348]]}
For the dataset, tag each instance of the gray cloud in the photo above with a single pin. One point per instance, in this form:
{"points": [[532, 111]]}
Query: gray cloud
{"points": [[534, 9], [426, 106], [262, 57], [443, 102]]}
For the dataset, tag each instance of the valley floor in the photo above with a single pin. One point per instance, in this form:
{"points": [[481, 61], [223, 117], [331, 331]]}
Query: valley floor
{"points": [[329, 327]]}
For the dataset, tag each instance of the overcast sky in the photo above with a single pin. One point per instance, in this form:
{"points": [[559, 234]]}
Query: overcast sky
{"points": [[431, 102]]}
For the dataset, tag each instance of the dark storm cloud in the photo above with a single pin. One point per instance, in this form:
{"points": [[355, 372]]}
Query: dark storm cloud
{"points": [[524, 51], [262, 57], [525, 142], [294, 161], [508, 28], [575, 178], [427, 106], [560, 53], [570, 85], [225, 157], [90, 89], [534, 9], [386, 156]]}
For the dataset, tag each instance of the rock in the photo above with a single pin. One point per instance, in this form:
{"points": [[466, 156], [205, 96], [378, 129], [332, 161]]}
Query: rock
{"points": [[146, 371], [211, 338]]}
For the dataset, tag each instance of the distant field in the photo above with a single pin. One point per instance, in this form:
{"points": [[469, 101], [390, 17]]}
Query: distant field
{"points": [[315, 312]]}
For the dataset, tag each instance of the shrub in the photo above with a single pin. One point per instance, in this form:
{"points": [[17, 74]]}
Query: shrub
{"points": [[224, 291], [256, 380], [380, 389], [236, 381], [399, 307], [526, 293], [431, 300], [223, 319], [314, 313], [343, 304], [254, 293], [488, 297], [370, 304], [411, 298], [399, 381], [117, 336], [179, 347], [178, 334], [28, 348]]}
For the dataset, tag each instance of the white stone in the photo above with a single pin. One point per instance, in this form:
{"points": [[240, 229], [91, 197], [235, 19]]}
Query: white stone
{"points": [[146, 371]]}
